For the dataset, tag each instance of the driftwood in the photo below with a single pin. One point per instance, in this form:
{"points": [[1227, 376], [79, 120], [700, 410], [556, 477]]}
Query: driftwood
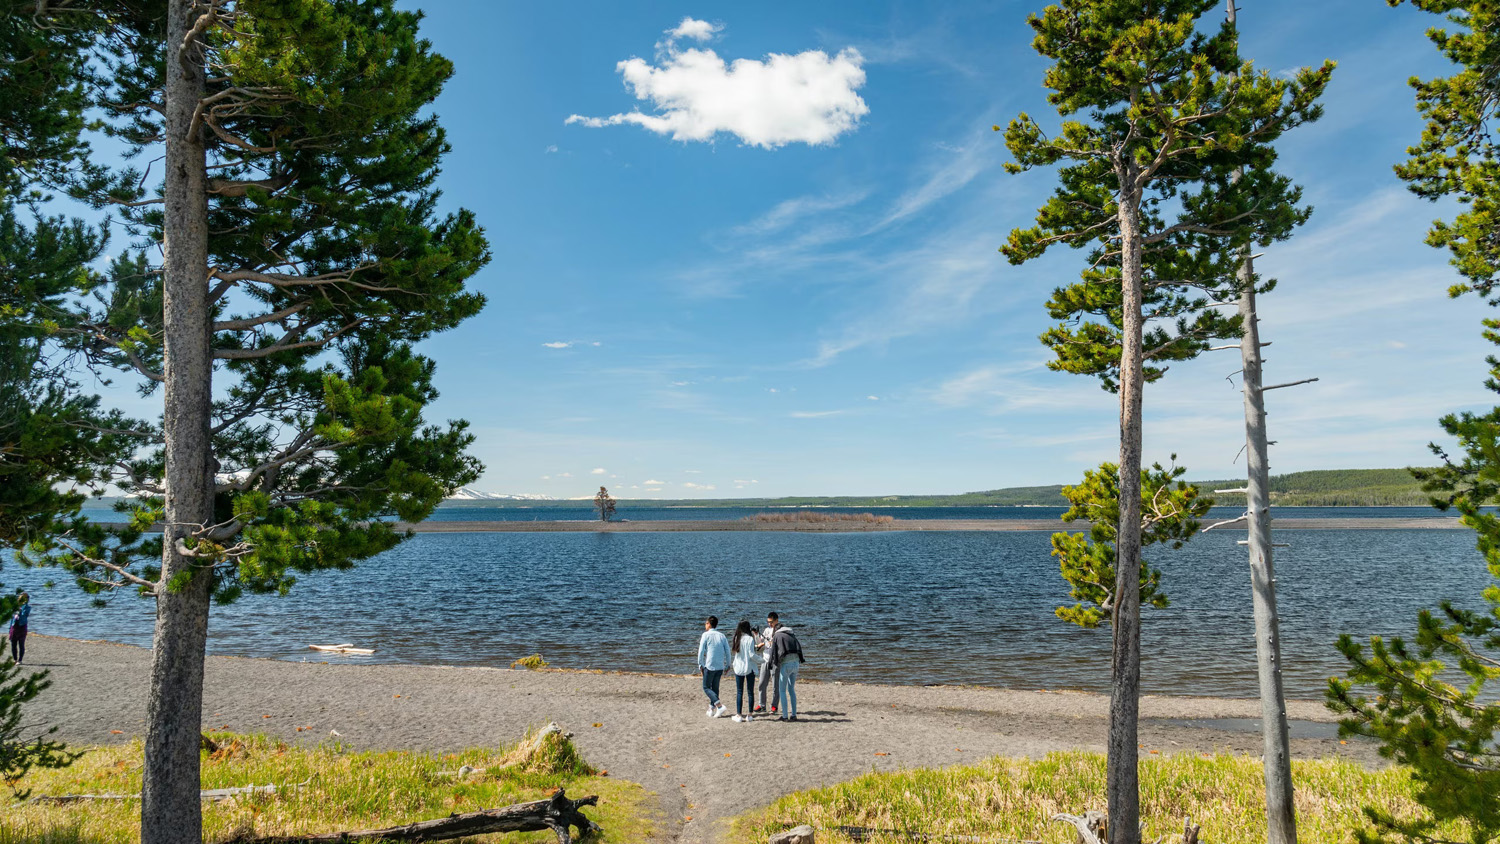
{"points": [[212, 794], [1092, 826], [557, 813]]}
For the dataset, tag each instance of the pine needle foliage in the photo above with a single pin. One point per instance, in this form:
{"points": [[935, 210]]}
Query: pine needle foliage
{"points": [[329, 260], [1170, 516], [1169, 112], [1431, 699]]}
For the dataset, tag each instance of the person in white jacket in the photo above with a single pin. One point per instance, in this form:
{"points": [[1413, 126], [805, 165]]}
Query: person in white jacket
{"points": [[746, 662], [713, 658]]}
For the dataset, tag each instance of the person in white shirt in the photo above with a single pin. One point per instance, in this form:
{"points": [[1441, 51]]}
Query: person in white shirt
{"points": [[767, 674], [713, 658], [745, 662]]}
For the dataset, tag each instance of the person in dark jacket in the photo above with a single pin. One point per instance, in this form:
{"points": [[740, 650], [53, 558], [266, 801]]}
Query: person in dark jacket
{"points": [[18, 624], [786, 655]]}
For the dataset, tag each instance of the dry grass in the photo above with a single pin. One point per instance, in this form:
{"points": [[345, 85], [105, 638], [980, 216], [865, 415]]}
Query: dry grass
{"points": [[344, 790], [1013, 799], [814, 517]]}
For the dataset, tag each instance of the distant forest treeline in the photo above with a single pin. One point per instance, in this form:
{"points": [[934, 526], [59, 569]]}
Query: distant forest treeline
{"points": [[1323, 488]]}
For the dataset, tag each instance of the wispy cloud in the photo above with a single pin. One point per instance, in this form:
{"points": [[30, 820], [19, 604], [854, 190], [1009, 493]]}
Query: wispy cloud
{"points": [[810, 97], [815, 414], [691, 485], [558, 344], [793, 210], [948, 174], [597, 471]]}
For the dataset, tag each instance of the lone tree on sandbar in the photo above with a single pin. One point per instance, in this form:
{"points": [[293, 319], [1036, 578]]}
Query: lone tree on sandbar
{"points": [[605, 505]]}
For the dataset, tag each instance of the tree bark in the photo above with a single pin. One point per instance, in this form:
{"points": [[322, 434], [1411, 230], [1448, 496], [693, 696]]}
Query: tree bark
{"points": [[1122, 777], [1281, 816], [556, 813], [170, 808], [1281, 813]]}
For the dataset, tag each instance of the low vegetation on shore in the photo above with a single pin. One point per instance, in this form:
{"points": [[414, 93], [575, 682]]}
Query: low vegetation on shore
{"points": [[1015, 799], [815, 517], [330, 789]]}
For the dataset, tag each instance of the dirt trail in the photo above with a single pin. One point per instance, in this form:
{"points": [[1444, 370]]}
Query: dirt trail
{"points": [[653, 731]]}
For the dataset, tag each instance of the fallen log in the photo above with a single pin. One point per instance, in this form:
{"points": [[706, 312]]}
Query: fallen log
{"points": [[557, 813]]}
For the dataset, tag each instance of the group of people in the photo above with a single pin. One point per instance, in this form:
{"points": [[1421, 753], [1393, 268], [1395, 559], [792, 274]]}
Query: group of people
{"points": [[771, 653], [18, 628]]}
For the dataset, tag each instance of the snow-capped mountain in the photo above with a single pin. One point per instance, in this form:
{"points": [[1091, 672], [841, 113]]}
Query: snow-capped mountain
{"points": [[464, 493]]}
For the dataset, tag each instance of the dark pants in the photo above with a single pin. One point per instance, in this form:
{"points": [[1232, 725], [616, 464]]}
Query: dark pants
{"points": [[711, 685], [18, 644], [744, 686]]}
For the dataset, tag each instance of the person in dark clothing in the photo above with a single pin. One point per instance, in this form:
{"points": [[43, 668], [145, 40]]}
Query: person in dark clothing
{"points": [[786, 655], [18, 623]]}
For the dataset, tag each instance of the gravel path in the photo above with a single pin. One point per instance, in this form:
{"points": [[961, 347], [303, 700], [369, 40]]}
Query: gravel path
{"points": [[653, 728]]}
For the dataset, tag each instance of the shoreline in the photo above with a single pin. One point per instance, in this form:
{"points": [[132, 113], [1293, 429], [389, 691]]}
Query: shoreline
{"points": [[646, 728], [948, 525]]}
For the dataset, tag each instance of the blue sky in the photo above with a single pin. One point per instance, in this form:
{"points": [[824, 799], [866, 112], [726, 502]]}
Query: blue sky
{"points": [[768, 288]]}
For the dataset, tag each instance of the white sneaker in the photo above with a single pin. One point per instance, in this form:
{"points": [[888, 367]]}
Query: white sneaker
{"points": [[720, 712], [749, 718], [710, 712], [736, 719]]}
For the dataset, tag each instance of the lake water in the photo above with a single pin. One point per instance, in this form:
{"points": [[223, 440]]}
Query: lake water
{"points": [[888, 607]]}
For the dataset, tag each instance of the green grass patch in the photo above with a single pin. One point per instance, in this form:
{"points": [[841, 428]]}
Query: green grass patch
{"points": [[1003, 798], [344, 790]]}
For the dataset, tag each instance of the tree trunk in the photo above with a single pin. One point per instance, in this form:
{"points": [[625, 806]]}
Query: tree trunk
{"points": [[1281, 817], [170, 809], [1280, 813], [1123, 786]]}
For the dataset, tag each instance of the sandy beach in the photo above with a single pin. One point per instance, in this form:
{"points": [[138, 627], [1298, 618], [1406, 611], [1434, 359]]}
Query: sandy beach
{"points": [[675, 525], [652, 728]]}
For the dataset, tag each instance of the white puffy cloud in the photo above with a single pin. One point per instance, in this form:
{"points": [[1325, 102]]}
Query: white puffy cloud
{"points": [[873, 398], [691, 485], [809, 97], [695, 30], [559, 344], [596, 472], [652, 483]]}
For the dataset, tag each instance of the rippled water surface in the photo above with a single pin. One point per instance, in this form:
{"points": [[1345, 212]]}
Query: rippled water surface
{"points": [[897, 607]]}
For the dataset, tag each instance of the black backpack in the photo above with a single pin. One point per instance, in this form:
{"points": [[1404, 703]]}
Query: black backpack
{"points": [[795, 646]]}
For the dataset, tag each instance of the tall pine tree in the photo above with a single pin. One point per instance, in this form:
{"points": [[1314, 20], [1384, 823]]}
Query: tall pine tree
{"points": [[1146, 185], [1431, 701], [302, 255]]}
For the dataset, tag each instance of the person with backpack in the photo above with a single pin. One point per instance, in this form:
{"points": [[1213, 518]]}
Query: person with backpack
{"points": [[713, 658], [18, 624], [746, 663], [786, 653]]}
